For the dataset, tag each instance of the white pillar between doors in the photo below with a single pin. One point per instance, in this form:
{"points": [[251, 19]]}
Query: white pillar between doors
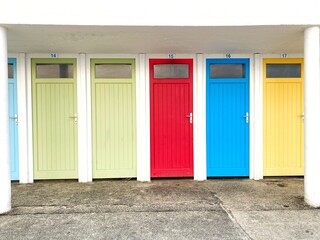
{"points": [[82, 123], [5, 180], [257, 140], [143, 155], [22, 113], [312, 116], [199, 127]]}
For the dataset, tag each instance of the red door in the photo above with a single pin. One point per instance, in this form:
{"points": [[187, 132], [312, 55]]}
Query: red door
{"points": [[171, 117]]}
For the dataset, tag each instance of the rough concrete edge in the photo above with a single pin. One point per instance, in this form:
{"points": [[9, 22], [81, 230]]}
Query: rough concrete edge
{"points": [[233, 219]]}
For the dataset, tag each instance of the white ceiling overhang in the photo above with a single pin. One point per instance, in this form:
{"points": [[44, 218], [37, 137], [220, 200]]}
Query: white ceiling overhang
{"points": [[155, 39]]}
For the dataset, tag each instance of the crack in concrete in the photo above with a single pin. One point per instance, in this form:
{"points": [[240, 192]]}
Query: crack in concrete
{"points": [[187, 206], [231, 216], [97, 212]]}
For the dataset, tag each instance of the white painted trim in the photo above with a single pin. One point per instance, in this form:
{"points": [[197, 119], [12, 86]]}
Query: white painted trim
{"points": [[165, 56], [289, 55], [143, 156], [29, 104], [47, 55], [257, 131], [147, 118], [82, 119], [251, 117], [147, 115], [111, 56], [29, 119], [196, 159], [200, 156], [89, 119], [22, 113], [223, 55]]}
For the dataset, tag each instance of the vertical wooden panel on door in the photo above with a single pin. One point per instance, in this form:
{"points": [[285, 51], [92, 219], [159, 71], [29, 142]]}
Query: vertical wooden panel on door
{"points": [[283, 130], [55, 134], [13, 119], [171, 126], [228, 121], [113, 121]]}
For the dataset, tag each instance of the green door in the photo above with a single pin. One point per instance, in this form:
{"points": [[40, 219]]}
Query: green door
{"points": [[54, 103], [113, 118]]}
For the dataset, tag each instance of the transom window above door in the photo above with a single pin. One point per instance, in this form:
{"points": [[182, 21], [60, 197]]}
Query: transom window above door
{"points": [[113, 70], [174, 71], [288, 70], [10, 70], [54, 70], [223, 70]]}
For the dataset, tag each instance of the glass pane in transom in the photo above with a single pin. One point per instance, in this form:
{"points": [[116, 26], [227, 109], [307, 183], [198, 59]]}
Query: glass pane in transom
{"points": [[162, 71], [10, 71], [284, 70], [54, 70], [107, 70], [221, 70]]}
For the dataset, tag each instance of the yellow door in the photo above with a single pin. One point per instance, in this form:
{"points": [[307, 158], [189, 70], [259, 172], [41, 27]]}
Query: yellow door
{"points": [[283, 117]]}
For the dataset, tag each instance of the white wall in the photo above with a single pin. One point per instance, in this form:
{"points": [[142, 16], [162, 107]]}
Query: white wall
{"points": [[165, 12]]}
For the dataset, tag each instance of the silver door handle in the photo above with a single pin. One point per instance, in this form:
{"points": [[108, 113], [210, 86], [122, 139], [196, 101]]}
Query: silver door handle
{"points": [[246, 117], [190, 117], [75, 118], [15, 119], [302, 116]]}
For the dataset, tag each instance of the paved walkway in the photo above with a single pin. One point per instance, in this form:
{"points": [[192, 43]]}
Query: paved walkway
{"points": [[161, 209]]}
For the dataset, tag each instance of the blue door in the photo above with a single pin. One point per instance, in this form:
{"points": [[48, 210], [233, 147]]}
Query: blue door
{"points": [[227, 117], [13, 118]]}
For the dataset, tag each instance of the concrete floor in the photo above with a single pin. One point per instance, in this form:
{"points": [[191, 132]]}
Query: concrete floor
{"points": [[161, 209]]}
